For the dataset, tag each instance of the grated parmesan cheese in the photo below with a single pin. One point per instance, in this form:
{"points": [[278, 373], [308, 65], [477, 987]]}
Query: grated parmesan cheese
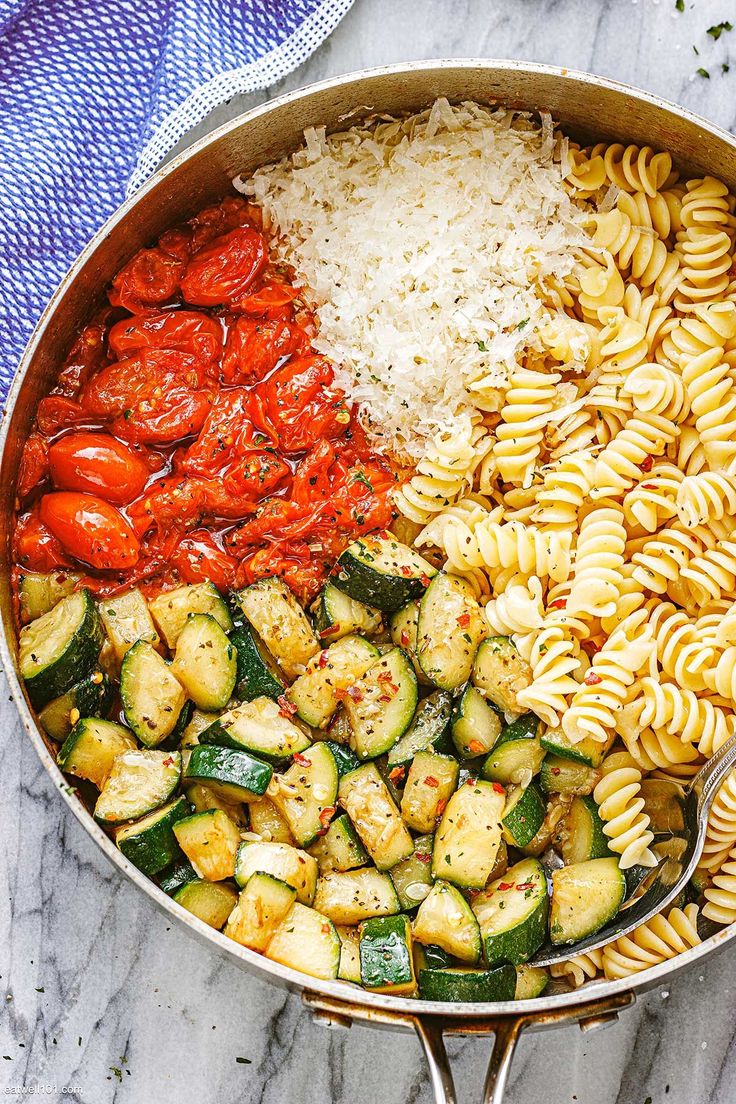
{"points": [[422, 244]]}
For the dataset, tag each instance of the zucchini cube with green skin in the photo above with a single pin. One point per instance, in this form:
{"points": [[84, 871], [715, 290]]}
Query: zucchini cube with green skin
{"points": [[467, 840], [306, 793], [476, 726], [150, 843], [412, 877], [139, 782], [172, 608], [60, 648], [512, 913], [288, 864], [197, 723], [461, 985], [257, 674], [177, 875], [427, 732], [306, 941], [349, 969], [340, 848], [210, 902], [380, 706], [585, 897], [450, 628], [446, 920], [523, 814], [318, 692], [268, 822], [345, 757], [92, 697], [233, 775], [517, 755], [260, 727], [92, 747], [152, 696], [127, 619], [587, 751], [281, 624], [565, 776], [430, 957], [350, 896], [531, 982], [374, 815], [40, 591], [403, 627], [202, 799], [380, 571], [583, 837], [205, 662], [386, 960], [263, 904], [501, 673], [210, 841], [336, 615], [431, 781]]}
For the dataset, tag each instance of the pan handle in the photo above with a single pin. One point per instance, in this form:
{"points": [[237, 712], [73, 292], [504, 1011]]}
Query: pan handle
{"points": [[506, 1035]]}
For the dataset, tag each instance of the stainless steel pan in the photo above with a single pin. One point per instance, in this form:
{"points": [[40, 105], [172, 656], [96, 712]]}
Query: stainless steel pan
{"points": [[589, 108]]}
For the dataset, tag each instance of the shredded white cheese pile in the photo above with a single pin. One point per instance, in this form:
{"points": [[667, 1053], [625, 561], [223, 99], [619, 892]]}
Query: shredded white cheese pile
{"points": [[421, 243]]}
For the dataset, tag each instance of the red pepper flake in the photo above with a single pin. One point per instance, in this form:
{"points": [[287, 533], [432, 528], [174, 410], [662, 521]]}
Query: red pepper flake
{"points": [[329, 631], [431, 781], [340, 694], [505, 885], [424, 579], [556, 770], [525, 885], [286, 708], [326, 928], [404, 638], [301, 760], [397, 775], [476, 747], [169, 761], [441, 806], [648, 486], [423, 857], [592, 679], [647, 463], [385, 676], [498, 788], [355, 693], [463, 620], [327, 814], [559, 603], [406, 571], [323, 660], [385, 698]]}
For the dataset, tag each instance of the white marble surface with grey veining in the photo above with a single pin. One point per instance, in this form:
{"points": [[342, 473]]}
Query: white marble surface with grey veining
{"points": [[103, 999]]}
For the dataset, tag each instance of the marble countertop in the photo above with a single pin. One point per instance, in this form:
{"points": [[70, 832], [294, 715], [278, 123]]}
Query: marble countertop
{"points": [[104, 1000]]}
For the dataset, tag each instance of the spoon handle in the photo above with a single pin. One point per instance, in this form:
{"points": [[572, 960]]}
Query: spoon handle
{"points": [[707, 781]]}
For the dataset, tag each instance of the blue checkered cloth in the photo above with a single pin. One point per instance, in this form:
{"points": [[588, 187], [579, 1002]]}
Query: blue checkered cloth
{"points": [[93, 93]]}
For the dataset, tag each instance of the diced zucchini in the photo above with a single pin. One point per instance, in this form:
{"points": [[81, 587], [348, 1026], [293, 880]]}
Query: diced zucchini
{"points": [[138, 782], [512, 913], [211, 902], [365, 797], [172, 608], [431, 781], [565, 776], [450, 628], [268, 822], [177, 875], [531, 982], [259, 726], [585, 897], [588, 751], [202, 798], [258, 675], [150, 843], [195, 726], [318, 692], [404, 634], [340, 848], [523, 814], [466, 842], [306, 941], [306, 793], [476, 725], [127, 619], [281, 623], [412, 877], [289, 864], [548, 834], [345, 757], [205, 662], [350, 896], [349, 954], [381, 705], [263, 905], [39, 592], [463, 985], [91, 697], [517, 755], [92, 747], [583, 837], [60, 648], [337, 614], [234, 775], [500, 673], [427, 732], [152, 697], [430, 958], [382, 572], [386, 960], [446, 920], [210, 841]]}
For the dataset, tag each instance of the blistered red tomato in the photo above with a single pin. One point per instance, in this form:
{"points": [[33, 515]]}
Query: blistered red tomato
{"points": [[198, 559], [90, 529], [256, 345], [269, 299], [35, 547], [150, 279], [34, 465], [302, 405], [222, 272], [55, 413], [187, 331], [99, 464]]}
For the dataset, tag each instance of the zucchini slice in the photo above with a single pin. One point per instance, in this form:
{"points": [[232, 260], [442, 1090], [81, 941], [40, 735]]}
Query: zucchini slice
{"points": [[366, 799], [517, 755], [565, 776], [91, 697], [288, 864], [588, 751], [512, 913], [259, 726], [198, 722], [176, 876], [202, 798], [340, 848], [336, 615], [211, 902], [150, 843], [458, 984], [306, 941], [318, 692], [350, 896], [126, 619], [138, 782], [386, 959], [205, 662], [381, 705], [306, 793], [172, 608], [403, 626], [233, 775], [152, 697], [92, 747], [583, 837], [531, 982], [427, 732], [431, 781], [585, 897], [281, 623], [430, 958], [446, 920], [522, 815], [382, 572], [262, 906], [268, 822], [39, 592], [412, 877], [476, 725], [501, 674], [345, 757], [349, 969], [60, 648], [467, 840], [450, 628], [210, 841], [258, 675]]}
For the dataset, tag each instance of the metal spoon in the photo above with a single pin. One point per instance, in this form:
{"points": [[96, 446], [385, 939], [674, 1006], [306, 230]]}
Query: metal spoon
{"points": [[679, 817]]}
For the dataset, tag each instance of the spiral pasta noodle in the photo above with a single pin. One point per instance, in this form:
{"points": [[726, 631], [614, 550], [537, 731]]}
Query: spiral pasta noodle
{"points": [[720, 834], [720, 893], [443, 475], [620, 807], [518, 609], [594, 591], [580, 969], [566, 483], [530, 396], [660, 939]]}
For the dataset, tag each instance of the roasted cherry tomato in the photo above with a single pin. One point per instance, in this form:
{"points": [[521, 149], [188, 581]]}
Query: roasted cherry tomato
{"points": [[234, 427], [255, 346], [150, 279], [223, 271], [99, 464], [222, 217], [90, 529], [198, 559], [88, 354], [170, 501], [269, 299], [34, 466], [301, 405], [55, 413], [188, 331], [35, 547]]}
